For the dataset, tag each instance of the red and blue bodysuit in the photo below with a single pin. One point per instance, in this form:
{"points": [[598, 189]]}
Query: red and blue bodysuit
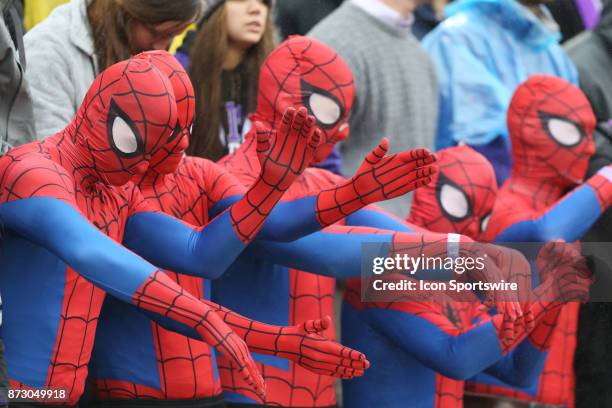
{"points": [[307, 73], [304, 72], [550, 123], [163, 365], [67, 201], [421, 352]]}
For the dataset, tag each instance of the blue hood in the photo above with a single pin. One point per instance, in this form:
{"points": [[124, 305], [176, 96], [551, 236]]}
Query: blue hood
{"points": [[511, 14]]}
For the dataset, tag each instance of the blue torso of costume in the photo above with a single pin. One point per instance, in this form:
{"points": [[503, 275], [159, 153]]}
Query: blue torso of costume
{"points": [[423, 354], [235, 290], [32, 302], [396, 375]]}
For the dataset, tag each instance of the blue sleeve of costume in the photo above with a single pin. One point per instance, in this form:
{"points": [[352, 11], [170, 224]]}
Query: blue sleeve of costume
{"points": [[288, 221], [459, 357], [339, 255], [174, 245], [521, 367], [568, 219], [61, 229], [313, 254], [473, 100], [368, 217]]}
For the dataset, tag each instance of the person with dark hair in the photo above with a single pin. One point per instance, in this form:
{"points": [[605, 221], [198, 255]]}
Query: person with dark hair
{"points": [[80, 39], [224, 57]]}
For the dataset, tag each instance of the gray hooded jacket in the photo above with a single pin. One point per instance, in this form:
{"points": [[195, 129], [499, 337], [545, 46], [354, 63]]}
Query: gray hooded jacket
{"points": [[16, 124]]}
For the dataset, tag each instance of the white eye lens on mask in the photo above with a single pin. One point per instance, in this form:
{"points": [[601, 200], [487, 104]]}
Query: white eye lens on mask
{"points": [[124, 136], [453, 200], [484, 222], [321, 104], [562, 130]]}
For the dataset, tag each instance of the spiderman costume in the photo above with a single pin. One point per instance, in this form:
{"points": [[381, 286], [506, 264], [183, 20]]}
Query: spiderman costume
{"points": [[158, 364], [550, 123], [305, 72], [184, 194], [64, 206], [456, 339]]}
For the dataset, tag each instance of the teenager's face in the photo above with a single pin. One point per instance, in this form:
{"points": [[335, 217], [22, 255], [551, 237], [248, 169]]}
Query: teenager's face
{"points": [[246, 21], [148, 37]]}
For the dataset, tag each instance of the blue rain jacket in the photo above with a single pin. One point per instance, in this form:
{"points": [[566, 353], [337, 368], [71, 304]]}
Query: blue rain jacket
{"points": [[483, 51]]}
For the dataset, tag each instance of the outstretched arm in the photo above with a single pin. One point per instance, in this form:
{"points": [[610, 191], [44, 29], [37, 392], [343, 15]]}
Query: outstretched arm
{"points": [[337, 251], [342, 252], [57, 226], [523, 364], [380, 177], [565, 277], [493, 344], [303, 344], [456, 353], [569, 218], [171, 244], [373, 216]]}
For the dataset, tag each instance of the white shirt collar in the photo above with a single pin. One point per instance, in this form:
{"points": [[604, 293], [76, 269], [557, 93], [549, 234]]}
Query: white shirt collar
{"points": [[386, 14]]}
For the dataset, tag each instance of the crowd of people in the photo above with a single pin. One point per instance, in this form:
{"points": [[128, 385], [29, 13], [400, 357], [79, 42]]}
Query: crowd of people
{"points": [[189, 190]]}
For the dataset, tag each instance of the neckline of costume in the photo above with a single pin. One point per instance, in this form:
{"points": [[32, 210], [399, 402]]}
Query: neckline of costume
{"points": [[69, 156]]}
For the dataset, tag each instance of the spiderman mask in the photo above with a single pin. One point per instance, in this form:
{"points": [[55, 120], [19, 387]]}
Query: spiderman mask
{"points": [[305, 72], [115, 137], [460, 197], [551, 124], [168, 157]]}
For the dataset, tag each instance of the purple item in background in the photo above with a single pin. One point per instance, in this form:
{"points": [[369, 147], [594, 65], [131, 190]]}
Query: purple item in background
{"points": [[183, 58], [234, 138], [590, 11], [333, 162]]}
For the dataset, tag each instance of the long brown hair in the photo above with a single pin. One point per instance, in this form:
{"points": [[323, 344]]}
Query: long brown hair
{"points": [[207, 54], [110, 23]]}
